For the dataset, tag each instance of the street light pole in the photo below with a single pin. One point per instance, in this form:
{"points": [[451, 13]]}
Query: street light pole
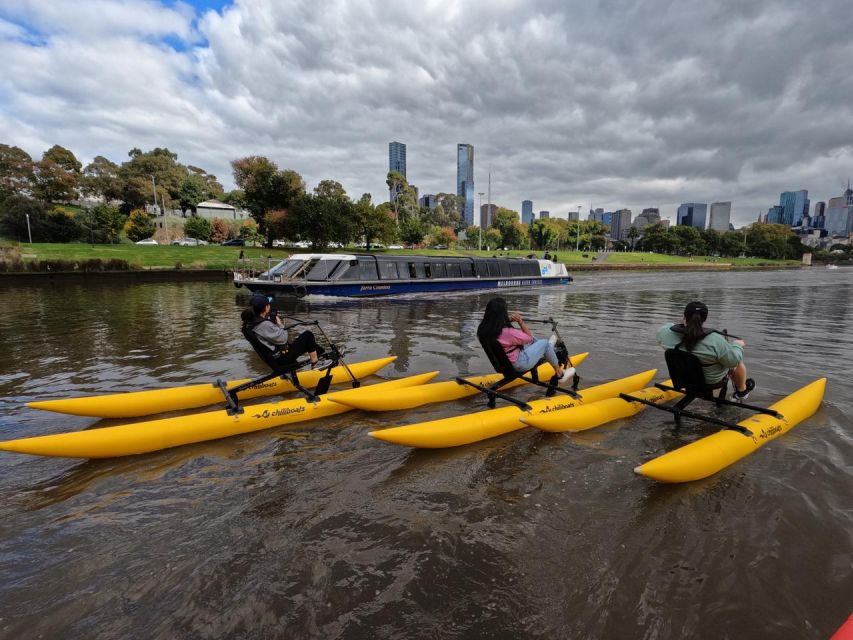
{"points": [[29, 231], [154, 184], [480, 226]]}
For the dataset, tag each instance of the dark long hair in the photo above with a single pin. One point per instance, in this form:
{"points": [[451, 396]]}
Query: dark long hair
{"points": [[695, 314], [495, 319]]}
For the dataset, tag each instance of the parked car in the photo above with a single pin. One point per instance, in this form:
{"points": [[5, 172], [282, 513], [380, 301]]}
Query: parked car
{"points": [[147, 241], [189, 242], [235, 242]]}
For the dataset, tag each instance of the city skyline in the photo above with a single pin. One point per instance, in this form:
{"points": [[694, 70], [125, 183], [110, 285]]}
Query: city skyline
{"points": [[612, 108]]}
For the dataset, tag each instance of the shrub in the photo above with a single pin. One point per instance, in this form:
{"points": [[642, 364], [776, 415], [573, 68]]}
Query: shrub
{"points": [[220, 231], [197, 227], [138, 226], [13, 217]]}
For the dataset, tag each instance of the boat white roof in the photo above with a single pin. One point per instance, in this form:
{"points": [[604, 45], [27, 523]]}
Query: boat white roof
{"points": [[322, 256]]}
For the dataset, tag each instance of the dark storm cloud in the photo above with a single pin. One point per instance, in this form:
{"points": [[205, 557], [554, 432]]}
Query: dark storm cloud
{"points": [[612, 104]]}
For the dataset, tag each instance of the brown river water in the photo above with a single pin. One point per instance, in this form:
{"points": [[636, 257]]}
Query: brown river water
{"points": [[316, 530]]}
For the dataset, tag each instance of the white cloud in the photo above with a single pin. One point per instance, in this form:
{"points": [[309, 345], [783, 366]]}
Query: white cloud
{"points": [[615, 104]]}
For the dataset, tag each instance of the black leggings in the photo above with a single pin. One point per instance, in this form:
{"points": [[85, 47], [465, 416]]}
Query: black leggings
{"points": [[304, 343]]}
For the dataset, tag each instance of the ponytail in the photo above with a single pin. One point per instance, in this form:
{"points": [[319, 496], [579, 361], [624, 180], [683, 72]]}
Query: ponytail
{"points": [[693, 331]]}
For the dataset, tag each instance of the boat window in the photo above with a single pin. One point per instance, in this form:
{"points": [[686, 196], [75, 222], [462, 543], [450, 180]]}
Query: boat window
{"points": [[504, 267], [413, 270], [287, 268], [454, 270], [531, 268], [516, 268], [468, 270], [403, 270], [322, 269], [388, 270], [347, 270], [367, 269], [494, 269], [439, 270], [428, 270]]}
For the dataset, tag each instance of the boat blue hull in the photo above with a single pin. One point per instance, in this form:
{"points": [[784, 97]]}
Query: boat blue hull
{"points": [[362, 289]]}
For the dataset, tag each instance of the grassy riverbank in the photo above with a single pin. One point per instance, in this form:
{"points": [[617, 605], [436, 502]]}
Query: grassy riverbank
{"points": [[215, 257]]}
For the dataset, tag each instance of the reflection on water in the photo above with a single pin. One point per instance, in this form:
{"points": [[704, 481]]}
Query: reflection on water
{"points": [[316, 530]]}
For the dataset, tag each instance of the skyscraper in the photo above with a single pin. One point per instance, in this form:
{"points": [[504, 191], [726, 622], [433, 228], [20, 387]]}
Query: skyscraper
{"points": [[795, 205], [721, 213], [646, 218], [397, 157], [527, 211], [620, 223], [544, 215], [465, 179], [692, 214], [487, 215]]}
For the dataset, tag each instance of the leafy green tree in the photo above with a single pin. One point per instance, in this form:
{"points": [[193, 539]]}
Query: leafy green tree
{"points": [[403, 200], [64, 158], [212, 188], [492, 239], [57, 175], [687, 240], [712, 239], [633, 234], [103, 223], [198, 227], [542, 234], [13, 217], [236, 198], [322, 218], [266, 187], [731, 244], [454, 207], [505, 223], [277, 224], [138, 225], [193, 190], [770, 241], [373, 223], [249, 232], [60, 226], [412, 232], [136, 178], [16, 171], [101, 179]]}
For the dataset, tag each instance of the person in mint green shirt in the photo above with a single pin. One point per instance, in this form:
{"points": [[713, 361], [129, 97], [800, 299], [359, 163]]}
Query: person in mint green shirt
{"points": [[719, 355]]}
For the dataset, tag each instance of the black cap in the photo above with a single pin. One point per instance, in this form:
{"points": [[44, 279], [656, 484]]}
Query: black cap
{"points": [[259, 302], [696, 307]]}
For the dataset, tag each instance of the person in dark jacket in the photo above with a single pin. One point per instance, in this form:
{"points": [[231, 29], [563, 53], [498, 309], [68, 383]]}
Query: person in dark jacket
{"points": [[272, 334]]}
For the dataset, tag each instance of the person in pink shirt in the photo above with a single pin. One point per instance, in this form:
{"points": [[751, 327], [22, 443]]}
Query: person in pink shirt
{"points": [[521, 348]]}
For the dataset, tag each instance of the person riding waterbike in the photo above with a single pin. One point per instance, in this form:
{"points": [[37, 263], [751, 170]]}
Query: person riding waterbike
{"points": [[270, 332], [720, 356], [521, 348]]}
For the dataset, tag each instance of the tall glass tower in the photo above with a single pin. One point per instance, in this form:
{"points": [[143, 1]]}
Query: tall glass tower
{"points": [[692, 214], [527, 211], [397, 157], [795, 205], [465, 179]]}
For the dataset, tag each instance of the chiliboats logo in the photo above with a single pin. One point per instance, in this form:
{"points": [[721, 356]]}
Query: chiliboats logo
{"points": [[284, 411]]}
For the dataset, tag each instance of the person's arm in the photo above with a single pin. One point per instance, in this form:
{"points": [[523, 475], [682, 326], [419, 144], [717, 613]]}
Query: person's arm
{"points": [[271, 333], [516, 317], [729, 354]]}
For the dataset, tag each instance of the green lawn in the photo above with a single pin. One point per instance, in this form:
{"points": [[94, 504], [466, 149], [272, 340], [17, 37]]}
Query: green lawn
{"points": [[218, 257]]}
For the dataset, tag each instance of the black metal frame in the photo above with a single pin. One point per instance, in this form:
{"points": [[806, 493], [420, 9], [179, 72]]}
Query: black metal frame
{"points": [[685, 370]]}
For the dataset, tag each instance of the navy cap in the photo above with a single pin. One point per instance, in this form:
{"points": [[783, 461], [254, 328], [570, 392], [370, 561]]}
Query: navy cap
{"points": [[259, 302], [696, 307]]}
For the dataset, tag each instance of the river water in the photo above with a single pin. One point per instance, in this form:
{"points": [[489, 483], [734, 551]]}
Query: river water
{"points": [[319, 531]]}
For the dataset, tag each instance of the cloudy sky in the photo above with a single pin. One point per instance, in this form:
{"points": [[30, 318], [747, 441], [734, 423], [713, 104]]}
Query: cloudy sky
{"points": [[614, 103]]}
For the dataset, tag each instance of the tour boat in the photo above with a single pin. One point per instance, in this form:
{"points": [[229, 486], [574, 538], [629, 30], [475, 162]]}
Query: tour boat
{"points": [[344, 274]]}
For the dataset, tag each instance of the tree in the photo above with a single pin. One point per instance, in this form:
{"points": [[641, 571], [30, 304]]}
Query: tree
{"points": [[505, 222], [57, 175], [265, 186], [16, 171], [104, 223], [198, 227], [403, 200], [542, 234], [712, 240], [13, 217], [139, 225], [60, 226], [249, 232], [373, 223], [731, 244], [323, 217], [101, 179], [276, 224], [236, 198], [412, 231], [633, 234], [136, 178], [219, 230], [193, 190]]}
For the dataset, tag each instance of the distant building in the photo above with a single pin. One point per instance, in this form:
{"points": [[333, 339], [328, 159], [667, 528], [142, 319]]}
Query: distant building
{"points": [[692, 214], [795, 205], [465, 179], [838, 219], [397, 157], [573, 215], [428, 201], [211, 209], [527, 211], [721, 214], [607, 218], [646, 218], [818, 215], [620, 223], [596, 215], [487, 214]]}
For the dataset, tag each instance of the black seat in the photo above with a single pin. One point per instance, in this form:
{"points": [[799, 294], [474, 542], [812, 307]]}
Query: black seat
{"points": [[270, 357], [687, 375]]}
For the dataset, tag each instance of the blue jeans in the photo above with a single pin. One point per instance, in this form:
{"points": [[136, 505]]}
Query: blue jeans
{"points": [[532, 353]]}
